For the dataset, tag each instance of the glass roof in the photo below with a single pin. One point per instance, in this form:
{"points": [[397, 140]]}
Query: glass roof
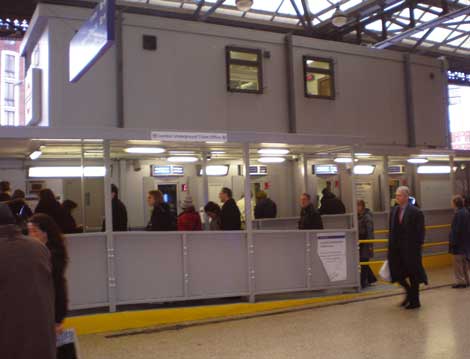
{"points": [[450, 36]]}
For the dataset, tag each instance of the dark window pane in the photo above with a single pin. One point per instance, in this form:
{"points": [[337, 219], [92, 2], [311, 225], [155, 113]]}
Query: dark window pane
{"points": [[9, 96]]}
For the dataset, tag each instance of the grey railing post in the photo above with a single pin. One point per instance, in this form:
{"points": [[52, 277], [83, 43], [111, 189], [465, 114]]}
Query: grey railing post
{"points": [[354, 214], [186, 275]]}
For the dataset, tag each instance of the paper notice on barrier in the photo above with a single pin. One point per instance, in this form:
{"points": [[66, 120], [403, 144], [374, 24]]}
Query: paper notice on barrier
{"points": [[331, 248]]}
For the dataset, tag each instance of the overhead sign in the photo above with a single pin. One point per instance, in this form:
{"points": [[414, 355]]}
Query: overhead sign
{"points": [[331, 248], [324, 170], [188, 137], [458, 77], [92, 40], [166, 170], [32, 97]]}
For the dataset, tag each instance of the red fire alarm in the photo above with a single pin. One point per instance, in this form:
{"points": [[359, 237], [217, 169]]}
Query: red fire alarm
{"points": [[267, 185], [184, 187]]}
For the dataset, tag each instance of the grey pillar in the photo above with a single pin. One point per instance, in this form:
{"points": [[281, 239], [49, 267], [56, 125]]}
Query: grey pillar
{"points": [[305, 170], [453, 188], [386, 189], [82, 187], [205, 188], [109, 228], [355, 222], [249, 224], [119, 71]]}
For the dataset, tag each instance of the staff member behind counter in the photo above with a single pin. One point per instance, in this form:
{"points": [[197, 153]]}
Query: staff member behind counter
{"points": [[309, 217], [162, 218]]}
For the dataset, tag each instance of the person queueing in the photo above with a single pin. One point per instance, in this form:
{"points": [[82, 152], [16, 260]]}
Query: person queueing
{"points": [[265, 207], [459, 243], [162, 218], [309, 216], [406, 238], [189, 219], [212, 210], [43, 228], [26, 294], [5, 191], [230, 216], [119, 212], [20, 209], [69, 224], [330, 204], [48, 204], [366, 250]]}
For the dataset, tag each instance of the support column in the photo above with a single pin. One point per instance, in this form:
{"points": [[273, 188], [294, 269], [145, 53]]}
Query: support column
{"points": [[249, 224], [386, 194], [355, 222], [205, 188], [82, 187], [109, 228], [119, 71], [305, 170], [453, 188]]}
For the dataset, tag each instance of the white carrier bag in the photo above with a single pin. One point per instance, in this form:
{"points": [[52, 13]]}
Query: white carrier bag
{"points": [[384, 272]]}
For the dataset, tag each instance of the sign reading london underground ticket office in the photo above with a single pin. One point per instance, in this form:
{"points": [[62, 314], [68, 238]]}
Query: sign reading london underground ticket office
{"points": [[331, 248], [188, 136], [92, 40]]}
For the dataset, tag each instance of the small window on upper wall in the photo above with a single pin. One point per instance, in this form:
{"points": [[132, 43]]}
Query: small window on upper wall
{"points": [[244, 70], [319, 78]]}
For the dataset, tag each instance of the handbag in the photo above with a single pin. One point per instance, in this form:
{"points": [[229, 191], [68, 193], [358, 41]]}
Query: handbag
{"points": [[67, 345], [384, 272]]}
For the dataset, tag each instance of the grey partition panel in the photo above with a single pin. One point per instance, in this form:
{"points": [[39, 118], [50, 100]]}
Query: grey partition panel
{"points": [[280, 261], [337, 221], [217, 264], [438, 216], [319, 278], [149, 266], [87, 273], [380, 221]]}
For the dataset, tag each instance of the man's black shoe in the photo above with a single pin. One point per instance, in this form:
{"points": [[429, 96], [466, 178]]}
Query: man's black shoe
{"points": [[405, 302], [459, 286], [413, 306]]}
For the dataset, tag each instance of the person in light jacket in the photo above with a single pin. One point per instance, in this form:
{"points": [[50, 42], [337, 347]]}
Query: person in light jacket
{"points": [[459, 243], [366, 250], [26, 294]]}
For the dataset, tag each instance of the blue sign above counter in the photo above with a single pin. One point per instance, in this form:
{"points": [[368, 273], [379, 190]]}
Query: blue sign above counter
{"points": [[92, 40]]}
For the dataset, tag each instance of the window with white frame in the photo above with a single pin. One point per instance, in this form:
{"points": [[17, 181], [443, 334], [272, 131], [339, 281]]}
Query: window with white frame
{"points": [[9, 89]]}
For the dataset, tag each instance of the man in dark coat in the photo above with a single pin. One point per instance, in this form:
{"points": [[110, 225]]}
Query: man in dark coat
{"points": [[5, 191], [230, 216], [459, 243], [309, 216], [27, 326], [330, 204], [119, 212], [265, 207], [406, 239]]}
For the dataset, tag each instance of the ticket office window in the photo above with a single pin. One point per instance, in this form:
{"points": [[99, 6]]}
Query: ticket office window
{"points": [[319, 78], [244, 70]]}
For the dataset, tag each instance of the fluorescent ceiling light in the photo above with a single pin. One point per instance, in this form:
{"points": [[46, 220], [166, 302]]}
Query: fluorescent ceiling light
{"points": [[273, 151], [364, 169], [434, 155], [66, 172], [433, 169], [35, 155], [339, 18], [343, 160], [182, 152], [417, 160], [363, 154], [182, 159], [271, 159], [244, 5], [145, 150], [218, 152], [216, 170], [214, 142]]}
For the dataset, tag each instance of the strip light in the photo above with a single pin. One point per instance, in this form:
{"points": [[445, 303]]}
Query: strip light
{"points": [[145, 150], [216, 170], [427, 170], [364, 169], [66, 172], [182, 159], [271, 159], [35, 155], [273, 151], [343, 160], [417, 160]]}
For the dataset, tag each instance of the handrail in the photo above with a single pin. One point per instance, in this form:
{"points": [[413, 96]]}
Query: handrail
{"points": [[431, 227]]}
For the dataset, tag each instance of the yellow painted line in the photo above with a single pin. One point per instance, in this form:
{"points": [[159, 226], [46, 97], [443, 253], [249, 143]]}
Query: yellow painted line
{"points": [[437, 226], [373, 241], [122, 321], [435, 244]]}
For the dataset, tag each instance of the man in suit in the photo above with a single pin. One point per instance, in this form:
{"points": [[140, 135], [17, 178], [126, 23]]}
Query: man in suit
{"points": [[230, 217], [406, 239]]}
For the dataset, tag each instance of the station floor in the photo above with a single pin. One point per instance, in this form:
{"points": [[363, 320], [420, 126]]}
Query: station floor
{"points": [[372, 328]]}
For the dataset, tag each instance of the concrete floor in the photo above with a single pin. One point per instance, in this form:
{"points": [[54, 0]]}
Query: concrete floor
{"points": [[373, 329]]}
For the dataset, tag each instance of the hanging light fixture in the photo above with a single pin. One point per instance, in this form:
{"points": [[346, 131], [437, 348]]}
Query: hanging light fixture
{"points": [[244, 5], [339, 17]]}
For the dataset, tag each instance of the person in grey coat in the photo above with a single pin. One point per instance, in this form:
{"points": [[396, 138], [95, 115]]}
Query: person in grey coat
{"points": [[366, 250], [27, 326], [459, 243]]}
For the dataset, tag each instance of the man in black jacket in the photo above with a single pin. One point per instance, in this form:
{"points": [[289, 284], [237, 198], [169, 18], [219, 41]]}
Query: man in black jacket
{"points": [[459, 243], [309, 216], [230, 217], [406, 239], [119, 212], [265, 207], [330, 204]]}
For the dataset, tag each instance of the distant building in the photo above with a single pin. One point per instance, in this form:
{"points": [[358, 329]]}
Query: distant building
{"points": [[11, 83]]}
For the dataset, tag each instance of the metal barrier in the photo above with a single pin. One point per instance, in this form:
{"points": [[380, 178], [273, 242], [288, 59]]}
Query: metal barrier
{"points": [[152, 267]]}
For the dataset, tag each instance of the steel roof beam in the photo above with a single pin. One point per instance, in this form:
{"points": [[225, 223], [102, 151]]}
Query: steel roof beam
{"points": [[428, 25], [198, 9], [211, 10]]}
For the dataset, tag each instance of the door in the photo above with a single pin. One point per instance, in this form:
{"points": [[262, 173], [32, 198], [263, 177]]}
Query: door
{"points": [[170, 195]]}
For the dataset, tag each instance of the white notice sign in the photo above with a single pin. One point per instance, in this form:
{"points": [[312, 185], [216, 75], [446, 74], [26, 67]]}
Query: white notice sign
{"points": [[188, 136], [331, 248]]}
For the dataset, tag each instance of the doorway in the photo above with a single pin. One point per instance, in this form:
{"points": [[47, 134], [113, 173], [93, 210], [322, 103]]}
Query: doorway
{"points": [[170, 195]]}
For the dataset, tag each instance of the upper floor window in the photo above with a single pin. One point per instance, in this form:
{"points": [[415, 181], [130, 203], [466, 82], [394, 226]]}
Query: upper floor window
{"points": [[9, 88], [10, 66], [244, 70], [319, 78]]}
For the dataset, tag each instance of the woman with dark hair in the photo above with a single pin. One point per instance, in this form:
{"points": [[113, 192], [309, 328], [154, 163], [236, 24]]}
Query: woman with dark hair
{"points": [[43, 228], [366, 250], [162, 218], [212, 210], [49, 205], [69, 225]]}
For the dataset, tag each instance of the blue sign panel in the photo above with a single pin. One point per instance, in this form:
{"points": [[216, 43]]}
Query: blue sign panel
{"points": [[92, 40]]}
